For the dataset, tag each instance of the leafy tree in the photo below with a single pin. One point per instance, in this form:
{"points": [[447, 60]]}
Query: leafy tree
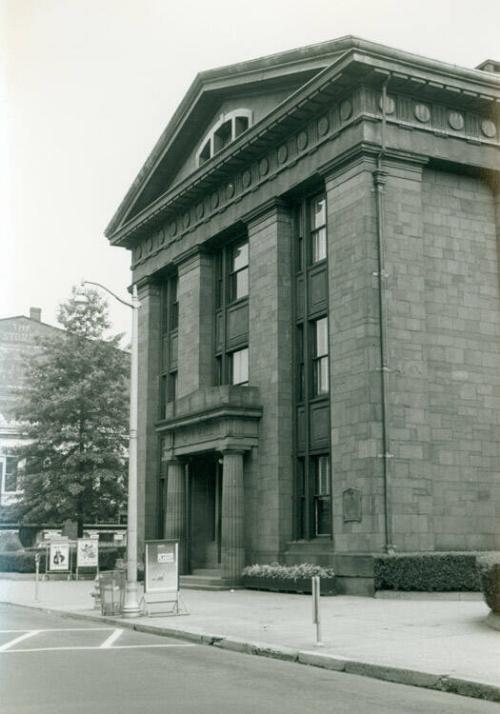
{"points": [[76, 414]]}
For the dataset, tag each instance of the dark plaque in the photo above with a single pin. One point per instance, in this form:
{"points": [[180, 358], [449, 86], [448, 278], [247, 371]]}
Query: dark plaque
{"points": [[70, 529], [351, 505]]}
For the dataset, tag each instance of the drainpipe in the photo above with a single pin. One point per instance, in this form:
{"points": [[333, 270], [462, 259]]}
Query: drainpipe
{"points": [[386, 456]]}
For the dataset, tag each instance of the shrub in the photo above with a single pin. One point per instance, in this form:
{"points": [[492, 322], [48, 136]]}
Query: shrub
{"points": [[287, 572], [427, 572], [23, 561], [489, 574]]}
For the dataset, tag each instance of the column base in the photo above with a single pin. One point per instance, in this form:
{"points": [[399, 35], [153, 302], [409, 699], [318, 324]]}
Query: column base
{"points": [[131, 607]]}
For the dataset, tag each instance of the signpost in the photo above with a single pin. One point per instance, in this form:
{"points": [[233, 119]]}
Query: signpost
{"points": [[161, 576], [59, 557], [87, 554], [316, 608]]}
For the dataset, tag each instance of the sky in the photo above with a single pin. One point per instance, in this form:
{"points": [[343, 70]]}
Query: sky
{"points": [[87, 86]]}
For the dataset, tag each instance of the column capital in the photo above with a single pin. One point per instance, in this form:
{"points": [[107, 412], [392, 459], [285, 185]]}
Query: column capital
{"points": [[146, 287], [190, 259], [369, 157], [272, 206], [232, 451]]}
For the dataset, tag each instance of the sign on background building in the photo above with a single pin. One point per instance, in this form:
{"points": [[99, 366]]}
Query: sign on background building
{"points": [[59, 558], [87, 553]]}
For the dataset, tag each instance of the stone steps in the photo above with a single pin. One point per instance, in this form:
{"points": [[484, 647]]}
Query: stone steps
{"points": [[201, 581]]}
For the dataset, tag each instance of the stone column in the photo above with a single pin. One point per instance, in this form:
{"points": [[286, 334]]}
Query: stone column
{"points": [[175, 509], [270, 345], [196, 319], [233, 544]]}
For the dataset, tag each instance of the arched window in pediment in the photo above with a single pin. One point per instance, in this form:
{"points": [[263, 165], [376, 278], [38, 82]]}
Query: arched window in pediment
{"points": [[226, 129]]}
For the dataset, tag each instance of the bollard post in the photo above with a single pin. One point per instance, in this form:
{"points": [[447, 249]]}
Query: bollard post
{"points": [[316, 591], [37, 570]]}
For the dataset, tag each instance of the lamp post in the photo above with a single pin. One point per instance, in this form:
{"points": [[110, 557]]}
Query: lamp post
{"points": [[131, 607]]}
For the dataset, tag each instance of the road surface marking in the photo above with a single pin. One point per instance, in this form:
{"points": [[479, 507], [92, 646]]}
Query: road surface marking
{"points": [[112, 638], [98, 649], [63, 629], [11, 643]]}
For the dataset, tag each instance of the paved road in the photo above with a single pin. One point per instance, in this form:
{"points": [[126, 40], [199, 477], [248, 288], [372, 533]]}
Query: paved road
{"points": [[54, 665]]}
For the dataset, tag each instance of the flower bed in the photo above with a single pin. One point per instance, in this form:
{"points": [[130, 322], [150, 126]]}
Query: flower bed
{"points": [[288, 578]]}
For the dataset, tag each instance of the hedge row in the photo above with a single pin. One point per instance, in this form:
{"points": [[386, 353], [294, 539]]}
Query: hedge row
{"points": [[427, 572], [489, 573], [23, 561]]}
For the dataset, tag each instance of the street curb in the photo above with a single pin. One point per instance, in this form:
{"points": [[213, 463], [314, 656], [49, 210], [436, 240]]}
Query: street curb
{"points": [[397, 675]]}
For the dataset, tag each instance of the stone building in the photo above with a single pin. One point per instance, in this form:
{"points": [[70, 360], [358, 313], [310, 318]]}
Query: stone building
{"points": [[18, 335], [314, 239]]}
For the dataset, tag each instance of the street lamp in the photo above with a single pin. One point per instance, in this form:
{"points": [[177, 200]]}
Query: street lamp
{"points": [[131, 607]]}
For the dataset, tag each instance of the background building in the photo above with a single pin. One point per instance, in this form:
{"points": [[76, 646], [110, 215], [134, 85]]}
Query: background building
{"points": [[18, 336], [18, 342], [315, 243]]}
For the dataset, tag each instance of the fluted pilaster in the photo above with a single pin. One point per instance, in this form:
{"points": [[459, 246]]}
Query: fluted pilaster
{"points": [[233, 547], [175, 509]]}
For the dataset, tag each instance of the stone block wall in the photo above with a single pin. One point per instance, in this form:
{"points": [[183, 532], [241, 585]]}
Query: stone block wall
{"points": [[269, 473], [462, 303], [443, 316], [354, 358]]}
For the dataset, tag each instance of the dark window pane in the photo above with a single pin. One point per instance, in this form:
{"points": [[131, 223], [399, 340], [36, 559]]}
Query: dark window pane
{"points": [[10, 481], [321, 341], [239, 257], [300, 253], [172, 386], [205, 153], [222, 136], [240, 125], [218, 369], [322, 515], [301, 500], [241, 284], [318, 212], [318, 241], [322, 473], [321, 382], [239, 367]]}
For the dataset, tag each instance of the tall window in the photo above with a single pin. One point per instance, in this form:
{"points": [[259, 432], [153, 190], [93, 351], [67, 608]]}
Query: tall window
{"points": [[169, 329], [312, 383], [231, 318], [317, 220], [320, 356], [238, 278], [322, 511]]}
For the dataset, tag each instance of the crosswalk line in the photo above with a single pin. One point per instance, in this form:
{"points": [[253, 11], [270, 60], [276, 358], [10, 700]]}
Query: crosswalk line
{"points": [[112, 638], [13, 642]]}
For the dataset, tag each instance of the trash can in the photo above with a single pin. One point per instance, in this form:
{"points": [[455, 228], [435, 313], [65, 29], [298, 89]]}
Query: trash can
{"points": [[112, 591]]}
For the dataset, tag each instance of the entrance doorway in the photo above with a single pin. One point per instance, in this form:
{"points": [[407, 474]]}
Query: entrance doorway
{"points": [[205, 516]]}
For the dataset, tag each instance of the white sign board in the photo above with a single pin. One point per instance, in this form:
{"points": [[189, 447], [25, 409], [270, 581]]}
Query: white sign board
{"points": [[162, 567], [87, 553], [59, 557]]}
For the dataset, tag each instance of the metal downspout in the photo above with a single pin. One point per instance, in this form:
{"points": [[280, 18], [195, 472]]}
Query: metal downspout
{"points": [[379, 182]]}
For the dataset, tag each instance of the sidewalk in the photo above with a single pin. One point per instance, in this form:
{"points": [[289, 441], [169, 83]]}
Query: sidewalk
{"points": [[435, 643]]}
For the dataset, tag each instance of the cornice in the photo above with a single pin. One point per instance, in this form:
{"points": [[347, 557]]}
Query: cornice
{"points": [[362, 105], [214, 414], [343, 76], [302, 58]]}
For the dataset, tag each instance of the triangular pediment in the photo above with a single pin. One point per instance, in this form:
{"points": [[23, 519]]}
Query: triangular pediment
{"points": [[258, 87]]}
